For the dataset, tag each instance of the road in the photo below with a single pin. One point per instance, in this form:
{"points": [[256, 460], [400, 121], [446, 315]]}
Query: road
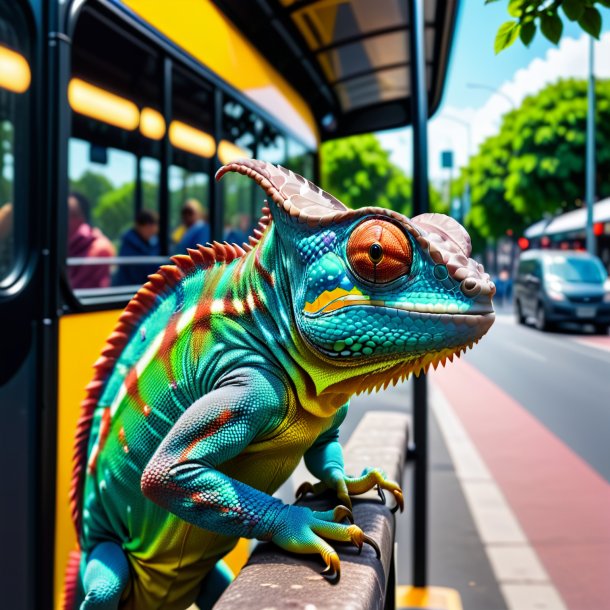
{"points": [[536, 408]]}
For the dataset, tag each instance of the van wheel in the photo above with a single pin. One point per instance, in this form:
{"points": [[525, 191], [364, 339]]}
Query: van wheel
{"points": [[519, 313], [541, 322]]}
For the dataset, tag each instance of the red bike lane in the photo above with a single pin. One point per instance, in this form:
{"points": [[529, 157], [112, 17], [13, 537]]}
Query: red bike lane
{"points": [[562, 504]]}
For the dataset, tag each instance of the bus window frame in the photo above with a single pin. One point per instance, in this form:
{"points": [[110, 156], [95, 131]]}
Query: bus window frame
{"points": [[24, 162], [171, 56]]}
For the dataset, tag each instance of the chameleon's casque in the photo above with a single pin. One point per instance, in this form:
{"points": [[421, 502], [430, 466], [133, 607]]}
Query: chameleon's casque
{"points": [[230, 366]]}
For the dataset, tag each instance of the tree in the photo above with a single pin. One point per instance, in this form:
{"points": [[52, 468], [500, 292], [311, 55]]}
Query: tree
{"points": [[92, 186], [529, 15], [358, 171], [535, 165]]}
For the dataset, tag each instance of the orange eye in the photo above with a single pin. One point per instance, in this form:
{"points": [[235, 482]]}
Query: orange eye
{"points": [[379, 251]]}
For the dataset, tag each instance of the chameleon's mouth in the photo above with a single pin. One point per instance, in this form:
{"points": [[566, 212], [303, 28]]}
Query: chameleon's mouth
{"points": [[451, 310]]}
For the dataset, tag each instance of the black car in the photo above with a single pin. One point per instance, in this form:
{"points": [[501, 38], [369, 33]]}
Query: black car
{"points": [[562, 286]]}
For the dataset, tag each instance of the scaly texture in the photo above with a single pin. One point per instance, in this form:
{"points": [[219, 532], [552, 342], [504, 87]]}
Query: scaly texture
{"points": [[230, 366]]}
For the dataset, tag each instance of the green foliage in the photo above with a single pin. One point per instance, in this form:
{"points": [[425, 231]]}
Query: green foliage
{"points": [[358, 171], [535, 165], [528, 15]]}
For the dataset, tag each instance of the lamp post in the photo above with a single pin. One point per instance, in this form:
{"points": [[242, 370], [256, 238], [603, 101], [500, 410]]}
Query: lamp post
{"points": [[590, 153], [465, 207], [494, 91]]}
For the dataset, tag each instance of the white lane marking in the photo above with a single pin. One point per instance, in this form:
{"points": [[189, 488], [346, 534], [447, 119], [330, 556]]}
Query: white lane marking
{"points": [[525, 350], [569, 342], [522, 579]]}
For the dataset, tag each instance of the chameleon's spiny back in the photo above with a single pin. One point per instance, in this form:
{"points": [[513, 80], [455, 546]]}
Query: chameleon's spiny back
{"points": [[160, 284]]}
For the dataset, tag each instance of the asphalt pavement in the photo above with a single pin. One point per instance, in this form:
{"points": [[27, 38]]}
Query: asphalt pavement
{"points": [[562, 380]]}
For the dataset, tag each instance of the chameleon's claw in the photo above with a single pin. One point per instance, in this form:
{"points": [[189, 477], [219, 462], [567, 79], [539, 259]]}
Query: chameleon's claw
{"points": [[332, 572], [304, 489], [381, 494], [342, 512], [400, 503], [370, 541]]}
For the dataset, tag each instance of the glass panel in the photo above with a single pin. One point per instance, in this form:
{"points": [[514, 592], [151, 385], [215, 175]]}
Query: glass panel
{"points": [[15, 77], [242, 199], [385, 85], [114, 157], [193, 148], [325, 24], [369, 54]]}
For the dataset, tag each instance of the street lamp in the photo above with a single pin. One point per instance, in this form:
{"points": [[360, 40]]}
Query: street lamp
{"points": [[590, 151], [494, 91], [465, 206]]}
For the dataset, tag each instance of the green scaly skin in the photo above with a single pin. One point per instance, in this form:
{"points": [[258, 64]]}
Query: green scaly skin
{"points": [[229, 368]]}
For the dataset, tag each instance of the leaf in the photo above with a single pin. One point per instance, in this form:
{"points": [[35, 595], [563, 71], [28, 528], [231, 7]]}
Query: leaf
{"points": [[551, 26], [573, 9], [528, 30], [507, 33], [605, 3], [490, 1], [515, 8], [591, 22]]}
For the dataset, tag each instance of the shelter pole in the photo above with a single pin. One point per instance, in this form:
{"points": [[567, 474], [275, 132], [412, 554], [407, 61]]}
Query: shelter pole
{"points": [[419, 119]]}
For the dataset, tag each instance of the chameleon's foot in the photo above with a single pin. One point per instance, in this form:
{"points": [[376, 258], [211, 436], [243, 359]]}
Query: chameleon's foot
{"points": [[301, 530], [345, 486], [373, 477]]}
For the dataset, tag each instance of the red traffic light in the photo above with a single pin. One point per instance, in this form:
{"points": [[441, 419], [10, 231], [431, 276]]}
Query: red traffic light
{"points": [[523, 242], [598, 228]]}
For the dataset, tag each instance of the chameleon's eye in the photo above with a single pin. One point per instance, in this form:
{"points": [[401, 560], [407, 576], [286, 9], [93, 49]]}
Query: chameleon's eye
{"points": [[379, 251]]}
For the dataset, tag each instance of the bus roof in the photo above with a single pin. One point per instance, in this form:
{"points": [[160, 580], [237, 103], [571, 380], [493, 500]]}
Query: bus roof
{"points": [[348, 58]]}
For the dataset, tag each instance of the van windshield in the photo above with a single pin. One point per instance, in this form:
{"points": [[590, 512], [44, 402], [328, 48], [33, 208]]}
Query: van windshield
{"points": [[575, 269]]}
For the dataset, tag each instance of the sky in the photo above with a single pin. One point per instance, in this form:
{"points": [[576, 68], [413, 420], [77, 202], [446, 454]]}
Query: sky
{"points": [[475, 113]]}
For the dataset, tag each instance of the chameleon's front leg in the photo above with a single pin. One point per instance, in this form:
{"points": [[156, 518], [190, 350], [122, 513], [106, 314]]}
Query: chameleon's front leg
{"points": [[325, 461], [182, 475]]}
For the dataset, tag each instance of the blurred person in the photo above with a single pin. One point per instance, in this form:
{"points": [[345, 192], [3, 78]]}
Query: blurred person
{"points": [[197, 228], [86, 241], [6, 238], [141, 240], [239, 231], [190, 213]]}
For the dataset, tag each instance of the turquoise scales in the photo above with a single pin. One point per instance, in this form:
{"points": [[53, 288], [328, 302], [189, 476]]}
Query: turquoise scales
{"points": [[228, 367]]}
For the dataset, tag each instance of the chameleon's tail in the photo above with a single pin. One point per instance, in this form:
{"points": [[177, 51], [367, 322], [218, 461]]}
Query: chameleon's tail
{"points": [[70, 592]]}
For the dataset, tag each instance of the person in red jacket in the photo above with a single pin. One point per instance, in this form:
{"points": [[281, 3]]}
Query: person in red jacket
{"points": [[86, 241]]}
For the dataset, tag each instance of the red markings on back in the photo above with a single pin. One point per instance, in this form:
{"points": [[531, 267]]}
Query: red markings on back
{"points": [[133, 391], [123, 440], [264, 273], [212, 428], [103, 435]]}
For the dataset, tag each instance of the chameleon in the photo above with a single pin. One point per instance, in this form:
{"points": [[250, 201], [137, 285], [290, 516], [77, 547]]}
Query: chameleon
{"points": [[231, 365]]}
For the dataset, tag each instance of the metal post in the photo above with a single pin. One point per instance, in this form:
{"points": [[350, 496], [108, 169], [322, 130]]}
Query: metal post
{"points": [[419, 118], [590, 171]]}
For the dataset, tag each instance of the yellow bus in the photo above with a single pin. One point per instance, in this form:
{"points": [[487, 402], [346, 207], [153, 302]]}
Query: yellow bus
{"points": [[114, 111]]}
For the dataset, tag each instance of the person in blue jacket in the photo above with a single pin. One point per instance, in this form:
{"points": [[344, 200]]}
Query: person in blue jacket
{"points": [[141, 240]]}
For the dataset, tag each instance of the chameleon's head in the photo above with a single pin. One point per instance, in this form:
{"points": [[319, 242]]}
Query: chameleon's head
{"points": [[371, 288]]}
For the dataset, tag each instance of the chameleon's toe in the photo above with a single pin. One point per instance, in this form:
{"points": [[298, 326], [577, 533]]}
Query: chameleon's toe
{"points": [[342, 512], [400, 502], [372, 477], [332, 572], [308, 488], [359, 538]]}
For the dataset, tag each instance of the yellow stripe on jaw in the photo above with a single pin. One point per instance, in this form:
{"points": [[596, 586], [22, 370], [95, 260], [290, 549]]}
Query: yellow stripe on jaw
{"points": [[330, 300]]}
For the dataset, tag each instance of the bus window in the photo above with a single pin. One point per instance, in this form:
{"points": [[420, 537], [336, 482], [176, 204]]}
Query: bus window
{"points": [[15, 80], [114, 165], [249, 136], [193, 148]]}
